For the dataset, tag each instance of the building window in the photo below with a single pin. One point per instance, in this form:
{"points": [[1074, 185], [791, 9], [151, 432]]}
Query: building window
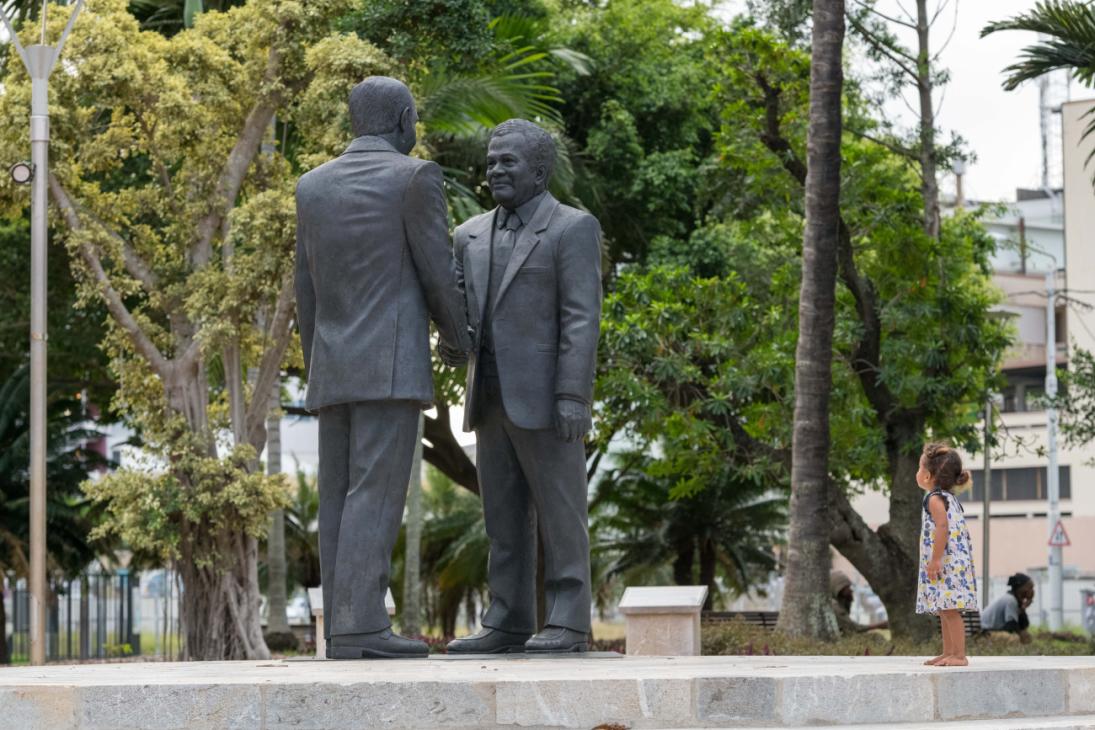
{"points": [[1027, 483]]}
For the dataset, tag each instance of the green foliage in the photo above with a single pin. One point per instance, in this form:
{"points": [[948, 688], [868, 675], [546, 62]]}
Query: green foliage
{"points": [[640, 526], [1077, 399], [69, 462], [432, 33], [76, 362], [146, 139], [642, 117], [1067, 41], [183, 512], [738, 638]]}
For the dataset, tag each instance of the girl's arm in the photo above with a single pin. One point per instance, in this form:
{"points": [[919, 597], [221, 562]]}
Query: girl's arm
{"points": [[938, 512]]}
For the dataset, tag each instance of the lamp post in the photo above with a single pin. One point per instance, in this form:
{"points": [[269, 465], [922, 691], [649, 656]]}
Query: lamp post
{"points": [[40, 60]]}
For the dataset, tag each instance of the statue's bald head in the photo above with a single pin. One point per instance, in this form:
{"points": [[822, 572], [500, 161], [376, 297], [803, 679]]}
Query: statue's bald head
{"points": [[382, 106]]}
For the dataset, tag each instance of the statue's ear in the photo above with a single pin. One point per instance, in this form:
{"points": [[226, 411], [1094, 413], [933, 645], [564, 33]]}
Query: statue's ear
{"points": [[542, 176], [405, 121]]}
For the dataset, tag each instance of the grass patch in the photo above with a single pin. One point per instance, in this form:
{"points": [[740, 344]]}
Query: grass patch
{"points": [[739, 638]]}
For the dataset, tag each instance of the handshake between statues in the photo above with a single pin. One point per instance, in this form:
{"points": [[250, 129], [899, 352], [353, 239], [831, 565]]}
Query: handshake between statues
{"points": [[518, 299]]}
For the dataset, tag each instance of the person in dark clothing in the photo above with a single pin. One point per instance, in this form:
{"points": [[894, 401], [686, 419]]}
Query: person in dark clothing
{"points": [[1009, 611]]}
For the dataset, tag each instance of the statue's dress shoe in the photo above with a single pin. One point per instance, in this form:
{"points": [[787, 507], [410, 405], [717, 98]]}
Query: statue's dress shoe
{"points": [[376, 645], [489, 641], [557, 640]]}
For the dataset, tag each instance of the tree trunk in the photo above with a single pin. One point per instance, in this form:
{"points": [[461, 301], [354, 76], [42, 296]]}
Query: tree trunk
{"points": [[708, 564], [682, 564], [220, 604], [411, 619], [277, 621], [929, 186], [806, 610]]}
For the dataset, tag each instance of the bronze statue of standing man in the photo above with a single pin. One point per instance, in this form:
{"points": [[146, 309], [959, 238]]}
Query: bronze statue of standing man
{"points": [[530, 271], [373, 267]]}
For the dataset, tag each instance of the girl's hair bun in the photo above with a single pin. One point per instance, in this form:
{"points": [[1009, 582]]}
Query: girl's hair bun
{"points": [[945, 466]]}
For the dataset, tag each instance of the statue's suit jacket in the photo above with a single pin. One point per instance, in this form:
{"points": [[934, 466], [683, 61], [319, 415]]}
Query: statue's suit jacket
{"points": [[546, 317], [373, 258]]}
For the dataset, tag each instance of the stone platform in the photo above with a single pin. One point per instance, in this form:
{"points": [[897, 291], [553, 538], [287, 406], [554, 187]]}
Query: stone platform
{"points": [[611, 693]]}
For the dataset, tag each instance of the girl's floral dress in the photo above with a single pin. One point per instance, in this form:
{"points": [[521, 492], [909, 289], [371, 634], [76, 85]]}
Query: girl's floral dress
{"points": [[956, 589]]}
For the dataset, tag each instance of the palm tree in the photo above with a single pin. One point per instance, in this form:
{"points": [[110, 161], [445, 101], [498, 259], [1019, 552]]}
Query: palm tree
{"points": [[806, 610], [69, 463], [642, 535], [1067, 30]]}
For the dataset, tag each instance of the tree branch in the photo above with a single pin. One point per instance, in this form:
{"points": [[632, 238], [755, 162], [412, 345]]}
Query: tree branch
{"points": [[239, 161], [270, 365], [113, 300], [896, 148], [887, 18], [899, 58], [441, 449]]}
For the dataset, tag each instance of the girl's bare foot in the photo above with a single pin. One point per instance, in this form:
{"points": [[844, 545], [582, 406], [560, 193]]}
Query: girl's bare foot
{"points": [[953, 661], [936, 660]]}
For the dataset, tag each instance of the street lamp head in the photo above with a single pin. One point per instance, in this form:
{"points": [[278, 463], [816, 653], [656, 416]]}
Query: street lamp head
{"points": [[21, 173]]}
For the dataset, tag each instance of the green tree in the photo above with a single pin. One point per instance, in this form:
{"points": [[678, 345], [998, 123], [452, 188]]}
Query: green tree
{"points": [[642, 118], [184, 234], [913, 333], [725, 531]]}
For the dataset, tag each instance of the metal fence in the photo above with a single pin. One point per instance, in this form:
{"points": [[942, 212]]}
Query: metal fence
{"points": [[90, 617]]}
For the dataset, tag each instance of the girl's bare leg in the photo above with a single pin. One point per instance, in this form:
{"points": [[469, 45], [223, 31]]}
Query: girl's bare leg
{"points": [[946, 643], [955, 629]]}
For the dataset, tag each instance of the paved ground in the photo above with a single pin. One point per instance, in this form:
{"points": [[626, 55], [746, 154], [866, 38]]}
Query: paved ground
{"points": [[552, 692]]}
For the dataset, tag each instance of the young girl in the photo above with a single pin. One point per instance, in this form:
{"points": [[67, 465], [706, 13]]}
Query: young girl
{"points": [[948, 584]]}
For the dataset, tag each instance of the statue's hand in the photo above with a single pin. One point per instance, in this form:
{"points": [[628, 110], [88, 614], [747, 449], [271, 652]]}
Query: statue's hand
{"points": [[451, 356], [573, 420]]}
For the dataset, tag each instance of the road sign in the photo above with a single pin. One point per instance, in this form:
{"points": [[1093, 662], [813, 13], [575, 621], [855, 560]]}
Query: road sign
{"points": [[1059, 538]]}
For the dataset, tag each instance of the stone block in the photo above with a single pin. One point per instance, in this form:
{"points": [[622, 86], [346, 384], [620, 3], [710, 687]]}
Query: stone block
{"points": [[737, 700], [631, 703], [38, 707], [857, 698], [170, 707], [372, 705], [1081, 691], [975, 694], [663, 620]]}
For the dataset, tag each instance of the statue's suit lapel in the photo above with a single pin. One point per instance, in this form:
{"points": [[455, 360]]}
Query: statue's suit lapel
{"points": [[527, 240]]}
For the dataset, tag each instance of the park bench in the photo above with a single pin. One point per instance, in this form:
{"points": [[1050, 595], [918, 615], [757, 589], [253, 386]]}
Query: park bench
{"points": [[767, 619], [764, 619]]}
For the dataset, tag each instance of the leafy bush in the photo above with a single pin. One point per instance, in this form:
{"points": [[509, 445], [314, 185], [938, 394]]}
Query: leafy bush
{"points": [[739, 638]]}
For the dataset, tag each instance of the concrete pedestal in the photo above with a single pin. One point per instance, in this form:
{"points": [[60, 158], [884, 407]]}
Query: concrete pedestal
{"points": [[663, 620], [638, 693]]}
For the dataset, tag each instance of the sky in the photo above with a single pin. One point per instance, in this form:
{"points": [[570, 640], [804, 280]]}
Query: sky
{"points": [[1001, 128]]}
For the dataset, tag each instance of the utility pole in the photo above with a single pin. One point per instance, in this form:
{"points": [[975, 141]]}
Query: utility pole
{"points": [[39, 60], [1056, 590], [986, 492]]}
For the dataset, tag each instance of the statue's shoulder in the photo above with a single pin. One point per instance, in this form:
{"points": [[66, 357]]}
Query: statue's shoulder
{"points": [[314, 178], [474, 224], [567, 216]]}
